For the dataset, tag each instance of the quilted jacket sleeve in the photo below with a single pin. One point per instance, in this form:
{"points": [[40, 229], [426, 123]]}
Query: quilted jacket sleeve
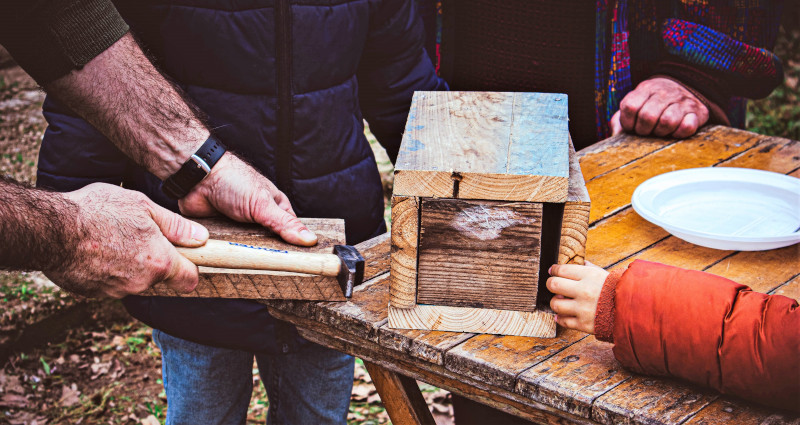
{"points": [[708, 330], [725, 44], [393, 66]]}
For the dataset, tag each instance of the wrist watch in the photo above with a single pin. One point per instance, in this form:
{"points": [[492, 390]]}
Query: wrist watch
{"points": [[194, 170]]}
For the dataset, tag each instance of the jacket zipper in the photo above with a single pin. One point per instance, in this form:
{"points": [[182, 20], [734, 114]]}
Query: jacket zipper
{"points": [[283, 151]]}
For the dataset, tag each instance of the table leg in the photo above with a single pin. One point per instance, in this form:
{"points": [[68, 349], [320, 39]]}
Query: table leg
{"points": [[401, 397]]}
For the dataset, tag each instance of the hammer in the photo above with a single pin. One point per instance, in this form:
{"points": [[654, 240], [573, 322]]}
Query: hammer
{"points": [[346, 264]]}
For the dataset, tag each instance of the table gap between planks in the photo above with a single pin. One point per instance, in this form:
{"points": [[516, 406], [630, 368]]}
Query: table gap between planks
{"points": [[572, 378]]}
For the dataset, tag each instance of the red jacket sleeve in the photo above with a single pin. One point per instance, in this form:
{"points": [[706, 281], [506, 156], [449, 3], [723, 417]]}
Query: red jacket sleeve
{"points": [[708, 330]]}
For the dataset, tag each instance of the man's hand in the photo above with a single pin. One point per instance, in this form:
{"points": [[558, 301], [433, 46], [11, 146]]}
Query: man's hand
{"points": [[660, 107], [577, 290], [125, 97], [238, 191], [123, 244]]}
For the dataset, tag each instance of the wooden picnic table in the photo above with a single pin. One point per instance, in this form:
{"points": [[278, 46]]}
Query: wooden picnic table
{"points": [[573, 377]]}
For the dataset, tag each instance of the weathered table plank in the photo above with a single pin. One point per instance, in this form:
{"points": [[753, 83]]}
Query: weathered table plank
{"points": [[572, 379], [500, 359], [789, 289], [762, 271], [612, 191], [644, 399], [619, 236], [627, 148], [727, 410], [679, 253]]}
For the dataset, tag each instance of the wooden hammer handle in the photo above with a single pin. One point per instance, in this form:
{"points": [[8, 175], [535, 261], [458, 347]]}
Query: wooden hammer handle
{"points": [[232, 255]]}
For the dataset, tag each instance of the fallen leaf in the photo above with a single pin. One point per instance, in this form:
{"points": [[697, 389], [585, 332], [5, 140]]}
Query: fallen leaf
{"points": [[11, 384], [69, 396], [360, 392], [374, 398], [26, 418], [150, 420], [13, 400], [99, 368]]}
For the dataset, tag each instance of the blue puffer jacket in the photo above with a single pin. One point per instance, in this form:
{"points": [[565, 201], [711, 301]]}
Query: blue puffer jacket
{"points": [[286, 84]]}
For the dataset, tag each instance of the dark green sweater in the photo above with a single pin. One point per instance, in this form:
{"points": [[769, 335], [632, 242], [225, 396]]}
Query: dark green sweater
{"points": [[50, 38]]}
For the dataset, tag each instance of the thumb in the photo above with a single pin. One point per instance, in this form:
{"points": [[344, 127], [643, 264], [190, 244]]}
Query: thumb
{"points": [[287, 225], [184, 275], [616, 126], [177, 229]]}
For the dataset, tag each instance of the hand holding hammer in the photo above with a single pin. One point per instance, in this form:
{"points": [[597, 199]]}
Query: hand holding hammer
{"points": [[346, 264]]}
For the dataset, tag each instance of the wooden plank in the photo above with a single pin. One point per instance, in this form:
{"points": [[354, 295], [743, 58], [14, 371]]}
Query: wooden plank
{"points": [[790, 289], [498, 360], [575, 222], [678, 253], [429, 346], [612, 191], [376, 253], [771, 153], [482, 254], [574, 378], [626, 148], [762, 271], [259, 284], [401, 397], [485, 145], [620, 236], [537, 323], [405, 238], [648, 400], [726, 410]]}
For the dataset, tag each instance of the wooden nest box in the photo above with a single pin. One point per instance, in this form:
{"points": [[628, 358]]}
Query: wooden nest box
{"points": [[487, 195]]}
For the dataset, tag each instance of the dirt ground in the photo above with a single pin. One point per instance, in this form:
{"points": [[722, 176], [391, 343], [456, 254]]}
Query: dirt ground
{"points": [[105, 368]]}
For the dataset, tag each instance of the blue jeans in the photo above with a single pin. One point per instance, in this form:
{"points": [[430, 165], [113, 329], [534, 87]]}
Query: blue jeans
{"points": [[208, 385]]}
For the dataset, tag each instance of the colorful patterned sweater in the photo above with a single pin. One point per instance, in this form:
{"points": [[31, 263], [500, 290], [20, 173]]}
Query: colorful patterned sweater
{"points": [[720, 48]]}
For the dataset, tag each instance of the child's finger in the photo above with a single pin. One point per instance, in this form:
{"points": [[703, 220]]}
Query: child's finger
{"points": [[566, 287], [569, 271], [564, 306], [567, 321]]}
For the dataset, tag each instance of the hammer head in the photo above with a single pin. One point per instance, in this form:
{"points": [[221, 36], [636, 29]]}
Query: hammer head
{"points": [[351, 271]]}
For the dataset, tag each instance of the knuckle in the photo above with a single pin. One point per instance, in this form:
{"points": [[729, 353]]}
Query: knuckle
{"points": [[552, 285], [627, 107], [647, 116]]}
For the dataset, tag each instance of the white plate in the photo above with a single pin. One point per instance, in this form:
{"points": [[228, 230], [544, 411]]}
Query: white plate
{"points": [[724, 208]]}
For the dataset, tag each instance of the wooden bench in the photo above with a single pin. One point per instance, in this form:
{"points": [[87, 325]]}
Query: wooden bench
{"points": [[573, 377]]}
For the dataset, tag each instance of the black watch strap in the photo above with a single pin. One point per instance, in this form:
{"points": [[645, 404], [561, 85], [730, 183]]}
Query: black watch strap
{"points": [[194, 170]]}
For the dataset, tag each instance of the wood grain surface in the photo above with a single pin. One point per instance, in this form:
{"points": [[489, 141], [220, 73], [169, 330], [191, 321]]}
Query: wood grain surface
{"points": [[485, 145], [575, 222], [574, 378], [405, 239], [537, 323], [257, 284], [401, 397], [482, 254]]}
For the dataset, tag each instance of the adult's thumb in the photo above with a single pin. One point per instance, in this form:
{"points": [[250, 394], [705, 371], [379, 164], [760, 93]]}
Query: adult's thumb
{"points": [[177, 229]]}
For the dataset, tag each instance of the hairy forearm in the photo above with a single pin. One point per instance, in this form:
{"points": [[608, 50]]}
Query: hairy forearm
{"points": [[36, 227], [127, 99]]}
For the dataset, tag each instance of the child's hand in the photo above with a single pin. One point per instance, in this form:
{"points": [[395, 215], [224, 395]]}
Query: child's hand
{"points": [[577, 290]]}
